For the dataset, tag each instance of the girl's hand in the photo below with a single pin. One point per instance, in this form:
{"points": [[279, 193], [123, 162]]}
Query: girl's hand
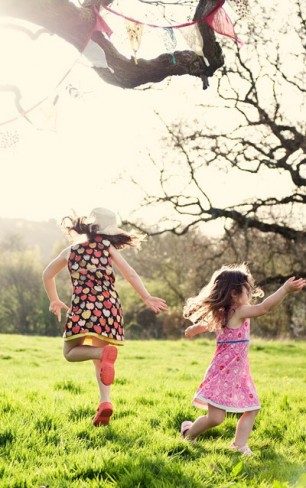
{"points": [[56, 306], [293, 286], [156, 304]]}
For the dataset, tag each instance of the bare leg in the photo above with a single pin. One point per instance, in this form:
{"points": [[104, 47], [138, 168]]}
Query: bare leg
{"points": [[244, 427], [74, 350], [214, 417], [103, 389]]}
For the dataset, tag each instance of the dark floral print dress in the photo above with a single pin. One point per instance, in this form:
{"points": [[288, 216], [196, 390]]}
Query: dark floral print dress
{"points": [[95, 305]]}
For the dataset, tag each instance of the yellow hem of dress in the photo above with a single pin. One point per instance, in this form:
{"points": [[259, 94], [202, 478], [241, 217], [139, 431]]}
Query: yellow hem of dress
{"points": [[88, 335]]}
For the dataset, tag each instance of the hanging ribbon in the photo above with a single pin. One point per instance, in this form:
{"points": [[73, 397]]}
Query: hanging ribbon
{"points": [[147, 24], [217, 20], [100, 25], [135, 34]]}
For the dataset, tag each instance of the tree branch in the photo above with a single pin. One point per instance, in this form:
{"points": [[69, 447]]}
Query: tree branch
{"points": [[74, 25]]}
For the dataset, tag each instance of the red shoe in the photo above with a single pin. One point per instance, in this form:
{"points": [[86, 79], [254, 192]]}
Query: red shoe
{"points": [[108, 358], [104, 412]]}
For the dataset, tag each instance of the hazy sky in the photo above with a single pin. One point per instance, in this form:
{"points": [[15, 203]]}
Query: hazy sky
{"points": [[71, 155]]}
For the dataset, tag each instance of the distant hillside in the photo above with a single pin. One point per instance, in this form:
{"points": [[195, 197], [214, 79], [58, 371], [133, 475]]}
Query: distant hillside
{"points": [[45, 235]]}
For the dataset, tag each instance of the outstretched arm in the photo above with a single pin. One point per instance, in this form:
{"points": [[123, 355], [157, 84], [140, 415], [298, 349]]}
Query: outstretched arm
{"points": [[290, 286], [195, 329], [156, 304], [48, 277]]}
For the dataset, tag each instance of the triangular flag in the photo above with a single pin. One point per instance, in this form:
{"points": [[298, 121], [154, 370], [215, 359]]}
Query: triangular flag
{"points": [[193, 38], [44, 116], [9, 139], [96, 55], [134, 31], [219, 21], [170, 41], [241, 7]]}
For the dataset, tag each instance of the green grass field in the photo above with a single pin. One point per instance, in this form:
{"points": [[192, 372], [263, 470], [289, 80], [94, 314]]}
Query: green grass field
{"points": [[46, 409]]}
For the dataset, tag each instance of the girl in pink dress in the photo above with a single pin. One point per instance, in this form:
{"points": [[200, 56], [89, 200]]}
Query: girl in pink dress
{"points": [[223, 306], [94, 323]]}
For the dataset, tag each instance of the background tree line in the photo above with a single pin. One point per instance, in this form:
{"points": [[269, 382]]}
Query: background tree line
{"points": [[172, 267]]}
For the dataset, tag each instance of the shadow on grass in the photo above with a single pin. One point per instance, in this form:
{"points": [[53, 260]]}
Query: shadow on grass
{"points": [[156, 472]]}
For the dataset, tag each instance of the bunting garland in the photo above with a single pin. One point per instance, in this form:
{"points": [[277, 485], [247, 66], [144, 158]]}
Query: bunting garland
{"points": [[157, 26], [218, 20]]}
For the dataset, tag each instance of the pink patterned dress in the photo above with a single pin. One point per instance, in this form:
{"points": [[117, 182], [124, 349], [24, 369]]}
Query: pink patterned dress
{"points": [[228, 383]]}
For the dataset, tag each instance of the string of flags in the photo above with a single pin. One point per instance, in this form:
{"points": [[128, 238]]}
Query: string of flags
{"points": [[218, 20]]}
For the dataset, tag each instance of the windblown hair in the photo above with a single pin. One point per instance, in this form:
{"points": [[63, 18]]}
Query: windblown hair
{"points": [[212, 305], [82, 226]]}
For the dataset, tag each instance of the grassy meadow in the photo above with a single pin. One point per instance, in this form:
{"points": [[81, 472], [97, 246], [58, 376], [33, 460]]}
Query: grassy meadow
{"points": [[46, 409]]}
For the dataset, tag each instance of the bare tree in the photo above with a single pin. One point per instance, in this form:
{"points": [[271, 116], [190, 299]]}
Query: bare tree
{"points": [[263, 135], [74, 23]]}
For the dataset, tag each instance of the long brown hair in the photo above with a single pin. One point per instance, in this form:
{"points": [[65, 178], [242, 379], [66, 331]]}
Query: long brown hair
{"points": [[211, 306], [82, 226]]}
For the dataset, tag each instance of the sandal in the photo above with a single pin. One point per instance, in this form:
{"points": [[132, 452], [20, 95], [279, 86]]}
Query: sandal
{"points": [[243, 449], [104, 412], [108, 358], [185, 426]]}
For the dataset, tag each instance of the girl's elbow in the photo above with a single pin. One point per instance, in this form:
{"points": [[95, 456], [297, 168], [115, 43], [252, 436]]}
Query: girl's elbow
{"points": [[266, 309], [46, 275], [131, 275]]}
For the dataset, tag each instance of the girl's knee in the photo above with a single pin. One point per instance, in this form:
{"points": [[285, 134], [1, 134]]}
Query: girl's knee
{"points": [[215, 415], [69, 346], [218, 421], [217, 418], [67, 352], [66, 355]]}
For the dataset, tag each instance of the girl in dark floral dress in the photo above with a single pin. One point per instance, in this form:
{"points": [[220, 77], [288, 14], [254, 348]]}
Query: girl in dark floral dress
{"points": [[94, 324]]}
